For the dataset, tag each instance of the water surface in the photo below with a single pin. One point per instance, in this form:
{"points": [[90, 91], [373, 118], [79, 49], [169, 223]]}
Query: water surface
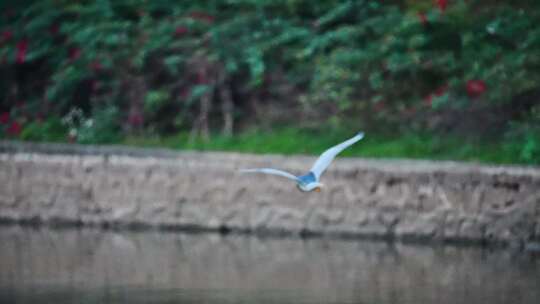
{"points": [[92, 266]]}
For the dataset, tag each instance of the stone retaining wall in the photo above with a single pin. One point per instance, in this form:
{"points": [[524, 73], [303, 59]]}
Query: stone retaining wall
{"points": [[59, 184]]}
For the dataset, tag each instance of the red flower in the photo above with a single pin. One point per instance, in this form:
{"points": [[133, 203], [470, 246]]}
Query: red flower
{"points": [[96, 65], [202, 17], [201, 77], [476, 87], [93, 86], [184, 93], [6, 35], [22, 47], [442, 4], [423, 18], [135, 119], [4, 118], [409, 111], [54, 29], [74, 53], [428, 100], [440, 91], [14, 129], [180, 31]]}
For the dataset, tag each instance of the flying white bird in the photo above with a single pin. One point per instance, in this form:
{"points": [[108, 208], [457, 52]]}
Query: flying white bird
{"points": [[310, 181]]}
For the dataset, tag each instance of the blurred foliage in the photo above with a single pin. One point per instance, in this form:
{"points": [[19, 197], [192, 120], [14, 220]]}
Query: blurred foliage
{"points": [[47, 130], [156, 67], [285, 141], [526, 136]]}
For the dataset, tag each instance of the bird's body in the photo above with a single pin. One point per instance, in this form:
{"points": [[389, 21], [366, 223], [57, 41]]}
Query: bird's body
{"points": [[310, 181]]}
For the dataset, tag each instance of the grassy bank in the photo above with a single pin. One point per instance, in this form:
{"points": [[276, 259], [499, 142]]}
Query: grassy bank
{"points": [[293, 141]]}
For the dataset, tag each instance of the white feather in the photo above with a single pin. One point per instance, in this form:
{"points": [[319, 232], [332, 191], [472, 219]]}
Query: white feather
{"points": [[271, 171], [328, 156]]}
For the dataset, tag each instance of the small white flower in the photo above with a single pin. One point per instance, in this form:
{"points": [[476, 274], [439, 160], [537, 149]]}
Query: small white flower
{"points": [[73, 132]]}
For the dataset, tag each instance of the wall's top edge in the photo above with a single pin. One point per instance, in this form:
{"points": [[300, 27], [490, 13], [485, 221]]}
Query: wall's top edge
{"points": [[237, 160]]}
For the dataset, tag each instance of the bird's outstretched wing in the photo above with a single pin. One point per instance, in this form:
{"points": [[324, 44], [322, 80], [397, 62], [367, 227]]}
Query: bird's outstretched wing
{"points": [[271, 171], [326, 158]]}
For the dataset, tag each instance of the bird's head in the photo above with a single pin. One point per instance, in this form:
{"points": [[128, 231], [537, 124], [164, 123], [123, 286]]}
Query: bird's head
{"points": [[315, 186]]}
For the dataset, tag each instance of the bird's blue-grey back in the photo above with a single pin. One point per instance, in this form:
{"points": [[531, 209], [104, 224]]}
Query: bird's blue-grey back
{"points": [[307, 178]]}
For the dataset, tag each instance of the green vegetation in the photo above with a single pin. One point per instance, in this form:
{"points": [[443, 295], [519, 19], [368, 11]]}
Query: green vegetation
{"points": [[297, 141], [453, 79]]}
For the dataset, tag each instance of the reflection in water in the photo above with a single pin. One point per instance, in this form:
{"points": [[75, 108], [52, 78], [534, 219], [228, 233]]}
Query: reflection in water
{"points": [[91, 266]]}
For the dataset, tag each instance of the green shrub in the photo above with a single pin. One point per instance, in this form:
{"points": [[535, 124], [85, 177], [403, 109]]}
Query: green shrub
{"points": [[523, 138], [50, 129], [167, 67]]}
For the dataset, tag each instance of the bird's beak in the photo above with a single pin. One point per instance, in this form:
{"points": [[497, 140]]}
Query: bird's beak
{"points": [[318, 189]]}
